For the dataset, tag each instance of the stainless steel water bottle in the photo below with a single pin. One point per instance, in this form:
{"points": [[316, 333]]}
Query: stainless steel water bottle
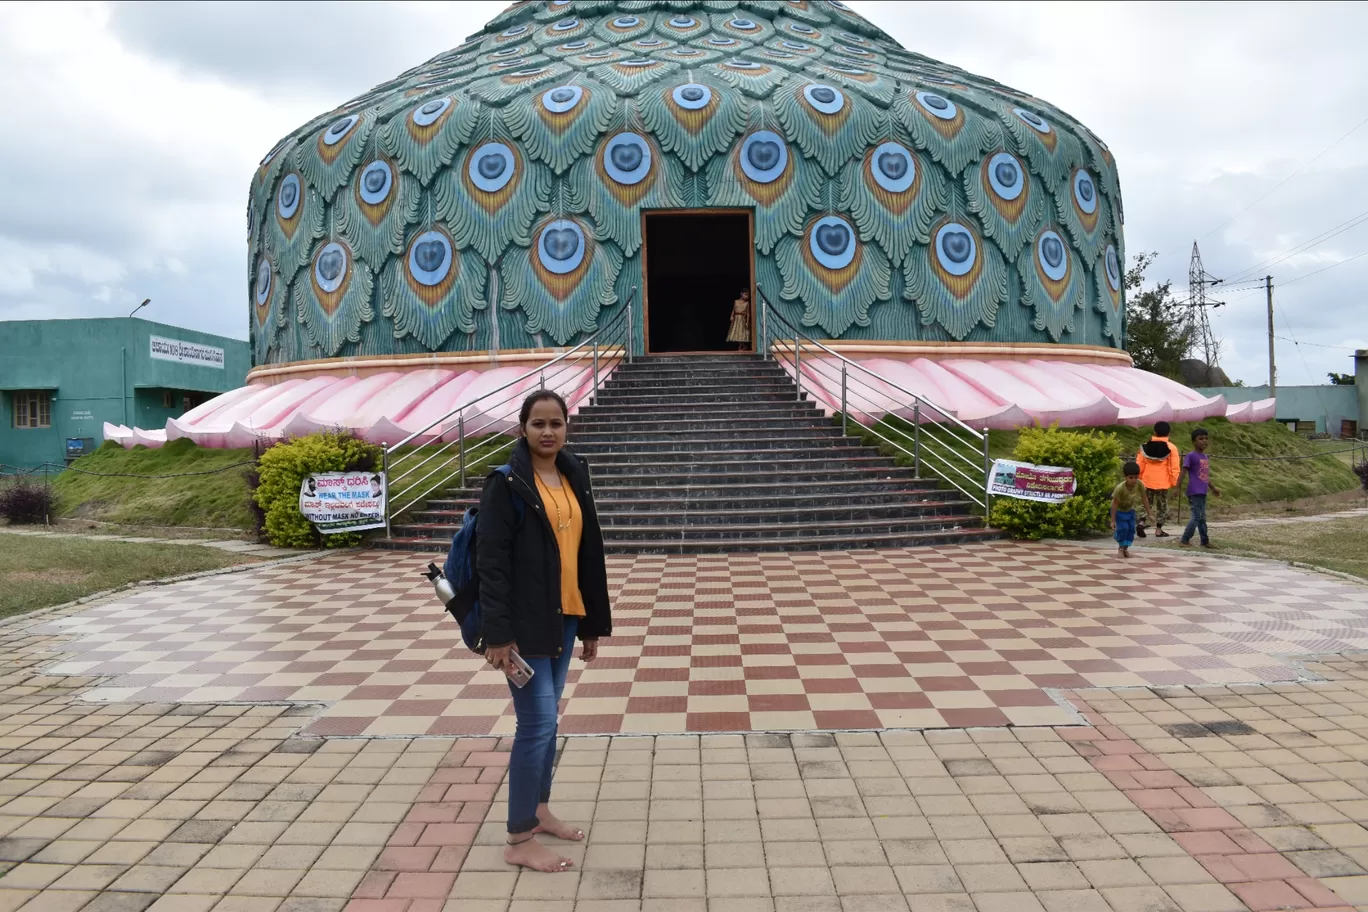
{"points": [[441, 585]]}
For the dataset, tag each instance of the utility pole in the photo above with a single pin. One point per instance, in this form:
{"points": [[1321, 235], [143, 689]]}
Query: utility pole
{"points": [[1272, 369]]}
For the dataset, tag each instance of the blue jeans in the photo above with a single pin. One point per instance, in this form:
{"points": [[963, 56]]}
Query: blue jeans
{"points": [[1125, 528], [534, 741], [1197, 523]]}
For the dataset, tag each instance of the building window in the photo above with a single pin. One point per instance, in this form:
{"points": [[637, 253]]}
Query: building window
{"points": [[32, 409], [168, 399]]}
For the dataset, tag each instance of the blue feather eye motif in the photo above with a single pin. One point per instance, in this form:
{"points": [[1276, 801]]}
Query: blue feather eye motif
{"points": [[764, 156], [797, 46], [430, 258], [287, 197], [376, 182], [1032, 120], [428, 114], [491, 167], [560, 247], [513, 32], [832, 242], [262, 291], [339, 130], [824, 98], [626, 22], [718, 41], [683, 22], [937, 105], [801, 29], [1113, 269], [956, 250], [566, 25], [1005, 176], [562, 98], [1052, 256], [894, 169], [627, 158], [745, 25], [1085, 192], [692, 97], [330, 267]]}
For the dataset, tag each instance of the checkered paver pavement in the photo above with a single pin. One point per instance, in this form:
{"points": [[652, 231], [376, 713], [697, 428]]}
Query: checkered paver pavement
{"points": [[982, 635]]}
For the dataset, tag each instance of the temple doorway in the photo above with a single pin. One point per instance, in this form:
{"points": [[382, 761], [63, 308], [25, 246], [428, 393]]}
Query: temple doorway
{"points": [[696, 265]]}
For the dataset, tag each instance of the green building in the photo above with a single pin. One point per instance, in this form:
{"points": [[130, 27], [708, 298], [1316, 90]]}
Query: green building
{"points": [[61, 380]]}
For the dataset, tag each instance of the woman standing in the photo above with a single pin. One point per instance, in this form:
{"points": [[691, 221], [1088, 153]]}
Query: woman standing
{"points": [[543, 582], [740, 329]]}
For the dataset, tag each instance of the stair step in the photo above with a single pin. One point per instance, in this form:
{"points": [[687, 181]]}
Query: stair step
{"points": [[677, 513], [824, 447], [609, 398], [746, 487], [639, 428], [849, 494], [846, 542]]}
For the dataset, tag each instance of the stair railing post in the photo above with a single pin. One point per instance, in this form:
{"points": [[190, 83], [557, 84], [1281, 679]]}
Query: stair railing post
{"points": [[543, 378], [798, 364], [845, 416], [630, 333], [593, 400], [764, 328], [916, 439], [987, 471], [460, 434], [384, 473]]}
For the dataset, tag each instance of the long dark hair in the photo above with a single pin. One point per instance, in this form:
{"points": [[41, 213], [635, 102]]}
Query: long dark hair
{"points": [[540, 395]]}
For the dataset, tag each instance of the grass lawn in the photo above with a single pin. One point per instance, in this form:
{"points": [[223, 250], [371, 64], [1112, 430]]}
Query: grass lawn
{"points": [[37, 572], [218, 500], [1335, 544]]}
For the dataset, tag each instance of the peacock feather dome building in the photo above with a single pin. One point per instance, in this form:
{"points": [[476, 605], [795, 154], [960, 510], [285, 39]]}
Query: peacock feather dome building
{"points": [[511, 196]]}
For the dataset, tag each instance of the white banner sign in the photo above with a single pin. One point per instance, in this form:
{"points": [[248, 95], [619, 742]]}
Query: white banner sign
{"points": [[1047, 484], [343, 501], [186, 352]]}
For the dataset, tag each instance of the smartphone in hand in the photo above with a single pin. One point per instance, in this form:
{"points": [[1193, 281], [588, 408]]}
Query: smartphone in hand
{"points": [[519, 672]]}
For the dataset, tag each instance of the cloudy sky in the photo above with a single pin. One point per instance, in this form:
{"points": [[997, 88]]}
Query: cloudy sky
{"points": [[131, 131]]}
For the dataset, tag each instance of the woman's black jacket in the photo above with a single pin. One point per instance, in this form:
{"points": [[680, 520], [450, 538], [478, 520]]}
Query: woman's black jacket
{"points": [[518, 560]]}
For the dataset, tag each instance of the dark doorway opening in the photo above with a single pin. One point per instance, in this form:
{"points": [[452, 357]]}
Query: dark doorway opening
{"points": [[697, 265]]}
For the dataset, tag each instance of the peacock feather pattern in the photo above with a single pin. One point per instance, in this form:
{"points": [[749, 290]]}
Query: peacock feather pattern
{"points": [[434, 289], [834, 276], [510, 174], [491, 195], [1108, 277], [334, 299], [562, 281], [693, 119], [381, 203], [950, 132], [562, 123], [892, 194], [1008, 202], [827, 123], [428, 135], [764, 172], [1053, 283], [957, 281]]}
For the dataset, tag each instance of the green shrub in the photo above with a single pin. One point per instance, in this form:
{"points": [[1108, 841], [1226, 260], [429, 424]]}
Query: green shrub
{"points": [[1095, 460], [284, 468]]}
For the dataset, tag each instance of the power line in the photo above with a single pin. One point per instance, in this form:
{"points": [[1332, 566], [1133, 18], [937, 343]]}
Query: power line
{"points": [[1326, 269], [1316, 344], [1303, 247], [1280, 183]]}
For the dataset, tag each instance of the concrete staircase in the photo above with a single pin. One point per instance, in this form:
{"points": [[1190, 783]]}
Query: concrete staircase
{"points": [[715, 453]]}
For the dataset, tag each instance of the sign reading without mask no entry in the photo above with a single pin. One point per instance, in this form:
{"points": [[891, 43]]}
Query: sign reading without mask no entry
{"points": [[343, 501], [1047, 484], [186, 352]]}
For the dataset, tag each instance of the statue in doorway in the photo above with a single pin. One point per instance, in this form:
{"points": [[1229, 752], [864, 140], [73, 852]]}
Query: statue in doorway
{"points": [[740, 331]]}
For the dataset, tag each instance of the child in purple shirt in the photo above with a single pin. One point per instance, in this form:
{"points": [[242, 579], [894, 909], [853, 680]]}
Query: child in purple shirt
{"points": [[1197, 468]]}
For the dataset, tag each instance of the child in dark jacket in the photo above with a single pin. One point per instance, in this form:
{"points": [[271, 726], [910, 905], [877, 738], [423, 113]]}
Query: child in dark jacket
{"points": [[1159, 470]]}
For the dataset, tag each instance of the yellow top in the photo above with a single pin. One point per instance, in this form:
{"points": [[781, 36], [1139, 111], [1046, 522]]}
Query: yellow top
{"points": [[567, 519]]}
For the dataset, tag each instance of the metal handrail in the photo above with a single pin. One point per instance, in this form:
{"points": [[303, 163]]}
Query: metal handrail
{"points": [[610, 344], [925, 447]]}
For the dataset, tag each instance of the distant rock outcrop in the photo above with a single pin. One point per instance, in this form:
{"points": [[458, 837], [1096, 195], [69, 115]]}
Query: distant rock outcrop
{"points": [[1197, 372]]}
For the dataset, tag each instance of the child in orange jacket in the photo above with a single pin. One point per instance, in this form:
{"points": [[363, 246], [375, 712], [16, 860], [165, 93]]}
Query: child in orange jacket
{"points": [[1160, 465]]}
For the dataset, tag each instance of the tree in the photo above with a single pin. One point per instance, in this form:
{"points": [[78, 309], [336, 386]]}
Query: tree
{"points": [[1341, 379], [1158, 333]]}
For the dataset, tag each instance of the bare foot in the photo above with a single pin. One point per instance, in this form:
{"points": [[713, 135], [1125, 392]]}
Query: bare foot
{"points": [[554, 826], [531, 854]]}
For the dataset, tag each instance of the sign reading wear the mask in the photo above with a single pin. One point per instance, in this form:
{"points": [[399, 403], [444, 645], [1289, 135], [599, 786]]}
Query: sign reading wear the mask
{"points": [[186, 352], [343, 501], [1047, 484]]}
